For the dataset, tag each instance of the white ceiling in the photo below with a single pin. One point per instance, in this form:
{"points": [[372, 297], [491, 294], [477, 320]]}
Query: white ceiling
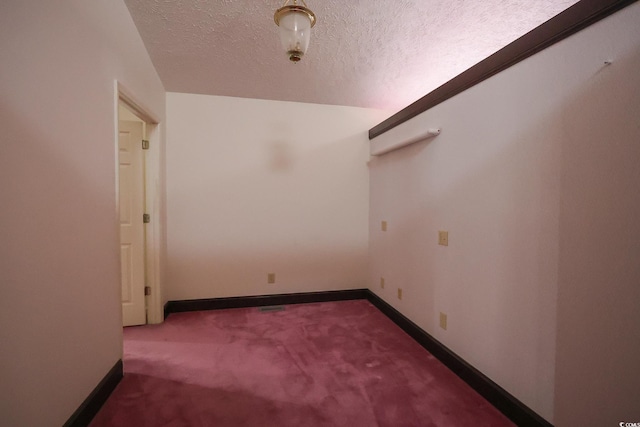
{"points": [[366, 53]]}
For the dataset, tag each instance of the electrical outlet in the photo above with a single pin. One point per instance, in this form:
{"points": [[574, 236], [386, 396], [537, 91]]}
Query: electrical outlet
{"points": [[399, 293], [383, 225], [443, 321], [443, 238], [382, 282], [271, 278]]}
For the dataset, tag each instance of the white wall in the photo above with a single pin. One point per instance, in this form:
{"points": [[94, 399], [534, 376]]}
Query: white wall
{"points": [[60, 313], [258, 187], [535, 176]]}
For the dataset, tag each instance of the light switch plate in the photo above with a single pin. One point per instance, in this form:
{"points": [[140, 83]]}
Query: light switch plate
{"points": [[383, 225], [271, 278], [443, 238], [443, 321]]}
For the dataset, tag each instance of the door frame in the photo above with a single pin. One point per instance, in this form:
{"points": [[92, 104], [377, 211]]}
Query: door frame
{"points": [[154, 201]]}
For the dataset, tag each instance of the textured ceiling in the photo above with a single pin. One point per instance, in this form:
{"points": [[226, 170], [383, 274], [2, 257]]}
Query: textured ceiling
{"points": [[366, 53]]}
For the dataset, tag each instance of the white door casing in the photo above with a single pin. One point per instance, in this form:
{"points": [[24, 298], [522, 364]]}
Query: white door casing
{"points": [[131, 202]]}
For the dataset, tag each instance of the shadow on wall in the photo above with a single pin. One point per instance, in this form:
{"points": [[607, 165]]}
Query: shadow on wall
{"points": [[598, 347], [280, 154]]}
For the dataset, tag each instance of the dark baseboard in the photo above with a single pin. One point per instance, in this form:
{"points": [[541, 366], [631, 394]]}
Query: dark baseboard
{"points": [[92, 404], [511, 407], [262, 300]]}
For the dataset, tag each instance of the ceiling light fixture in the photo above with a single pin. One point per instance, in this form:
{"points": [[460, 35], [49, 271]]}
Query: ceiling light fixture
{"points": [[295, 22]]}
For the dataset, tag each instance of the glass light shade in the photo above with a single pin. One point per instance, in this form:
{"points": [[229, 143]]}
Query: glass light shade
{"points": [[295, 25]]}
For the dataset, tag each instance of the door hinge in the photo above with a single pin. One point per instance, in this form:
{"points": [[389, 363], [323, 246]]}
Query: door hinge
{"points": [[145, 144], [147, 290], [146, 218]]}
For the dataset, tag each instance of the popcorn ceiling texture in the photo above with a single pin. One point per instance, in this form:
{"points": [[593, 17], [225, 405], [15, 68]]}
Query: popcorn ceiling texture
{"points": [[365, 53]]}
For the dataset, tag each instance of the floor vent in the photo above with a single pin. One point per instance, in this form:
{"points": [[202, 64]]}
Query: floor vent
{"points": [[271, 308]]}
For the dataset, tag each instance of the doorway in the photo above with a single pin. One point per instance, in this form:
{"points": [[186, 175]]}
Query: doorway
{"points": [[131, 196], [138, 210]]}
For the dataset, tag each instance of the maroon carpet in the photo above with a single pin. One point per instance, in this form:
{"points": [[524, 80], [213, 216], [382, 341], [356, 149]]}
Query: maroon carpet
{"points": [[329, 364]]}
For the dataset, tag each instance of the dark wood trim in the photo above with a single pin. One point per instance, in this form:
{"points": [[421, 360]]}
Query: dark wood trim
{"points": [[575, 18], [262, 300], [92, 404], [515, 410]]}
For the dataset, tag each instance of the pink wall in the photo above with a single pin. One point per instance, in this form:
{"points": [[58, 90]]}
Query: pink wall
{"points": [[60, 312], [535, 176], [598, 330], [257, 187]]}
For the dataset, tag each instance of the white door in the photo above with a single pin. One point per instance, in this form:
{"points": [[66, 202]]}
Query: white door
{"points": [[131, 179]]}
